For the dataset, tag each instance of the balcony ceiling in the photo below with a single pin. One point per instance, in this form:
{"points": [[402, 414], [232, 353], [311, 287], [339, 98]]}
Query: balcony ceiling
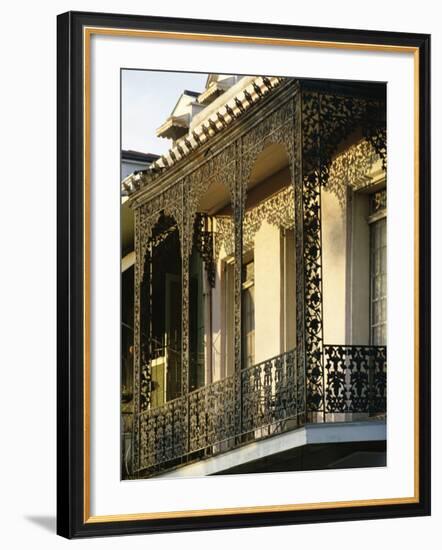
{"points": [[271, 161]]}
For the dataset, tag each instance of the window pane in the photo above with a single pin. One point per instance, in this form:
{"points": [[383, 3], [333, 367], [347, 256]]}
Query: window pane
{"points": [[248, 315], [378, 240]]}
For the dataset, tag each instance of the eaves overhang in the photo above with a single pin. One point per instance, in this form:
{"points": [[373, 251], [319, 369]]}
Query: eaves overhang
{"points": [[217, 123]]}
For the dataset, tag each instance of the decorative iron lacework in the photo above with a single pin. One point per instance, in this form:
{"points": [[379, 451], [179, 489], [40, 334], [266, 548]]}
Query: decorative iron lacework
{"points": [[375, 130], [217, 168], [169, 204], [297, 183], [162, 433], [238, 200], [355, 383], [270, 393], [277, 210], [211, 416], [356, 379], [352, 168], [203, 240], [312, 247], [226, 115], [224, 236], [154, 222], [327, 120], [378, 201], [164, 235], [269, 406]]}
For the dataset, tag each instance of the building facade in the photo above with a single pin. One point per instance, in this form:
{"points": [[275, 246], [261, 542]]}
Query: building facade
{"points": [[258, 287]]}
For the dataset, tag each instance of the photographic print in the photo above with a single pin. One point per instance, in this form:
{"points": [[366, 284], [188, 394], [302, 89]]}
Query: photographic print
{"points": [[253, 274]]}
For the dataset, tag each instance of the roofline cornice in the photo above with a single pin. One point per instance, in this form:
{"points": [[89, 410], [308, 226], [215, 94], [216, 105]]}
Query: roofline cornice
{"points": [[215, 145]]}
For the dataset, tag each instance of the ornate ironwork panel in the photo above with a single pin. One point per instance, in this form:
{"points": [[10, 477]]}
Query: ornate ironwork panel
{"points": [[297, 182], [352, 169], [162, 435], [275, 128], [238, 199], [356, 379], [277, 210], [137, 342], [212, 415], [153, 227], [312, 249], [203, 240], [378, 201], [375, 129], [378, 382], [219, 168], [186, 250], [269, 393], [168, 203], [224, 236]]}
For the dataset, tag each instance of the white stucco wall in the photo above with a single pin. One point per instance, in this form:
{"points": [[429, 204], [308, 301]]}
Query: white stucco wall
{"points": [[334, 252], [268, 313], [216, 327], [359, 285]]}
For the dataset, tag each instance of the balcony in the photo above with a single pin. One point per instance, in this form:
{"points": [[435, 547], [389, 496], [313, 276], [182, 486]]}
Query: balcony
{"points": [[267, 399], [242, 250]]}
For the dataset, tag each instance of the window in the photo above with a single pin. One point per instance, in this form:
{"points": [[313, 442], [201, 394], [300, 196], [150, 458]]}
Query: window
{"points": [[288, 286], [228, 297], [247, 318], [248, 315], [197, 320], [378, 269]]}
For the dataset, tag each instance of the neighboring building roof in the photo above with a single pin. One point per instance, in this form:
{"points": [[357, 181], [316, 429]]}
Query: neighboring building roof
{"points": [[138, 156], [133, 162], [189, 92]]}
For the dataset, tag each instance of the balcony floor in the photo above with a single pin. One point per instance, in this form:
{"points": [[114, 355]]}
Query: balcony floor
{"points": [[314, 446]]}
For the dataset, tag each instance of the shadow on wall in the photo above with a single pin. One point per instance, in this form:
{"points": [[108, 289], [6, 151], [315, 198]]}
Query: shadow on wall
{"points": [[48, 523]]}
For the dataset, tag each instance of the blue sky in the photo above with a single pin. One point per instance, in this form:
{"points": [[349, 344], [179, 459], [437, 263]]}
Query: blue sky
{"points": [[147, 99]]}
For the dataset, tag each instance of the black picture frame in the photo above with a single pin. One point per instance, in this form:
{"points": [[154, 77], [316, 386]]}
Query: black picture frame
{"points": [[73, 520]]}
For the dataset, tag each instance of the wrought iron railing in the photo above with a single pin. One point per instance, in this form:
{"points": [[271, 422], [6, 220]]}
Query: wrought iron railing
{"points": [[208, 421], [163, 434], [212, 416], [269, 393]]}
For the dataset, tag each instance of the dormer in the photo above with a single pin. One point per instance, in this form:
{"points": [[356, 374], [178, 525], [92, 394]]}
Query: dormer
{"points": [[177, 124], [216, 85]]}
